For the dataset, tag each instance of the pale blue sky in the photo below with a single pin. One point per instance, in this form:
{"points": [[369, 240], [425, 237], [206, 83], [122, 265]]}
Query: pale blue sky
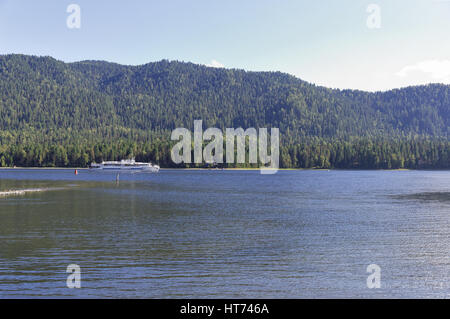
{"points": [[326, 42]]}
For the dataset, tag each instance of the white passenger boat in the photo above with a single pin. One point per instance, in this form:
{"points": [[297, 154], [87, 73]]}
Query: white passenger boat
{"points": [[126, 165]]}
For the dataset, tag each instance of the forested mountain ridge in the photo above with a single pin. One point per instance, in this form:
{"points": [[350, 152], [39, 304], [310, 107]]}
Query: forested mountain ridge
{"points": [[106, 110]]}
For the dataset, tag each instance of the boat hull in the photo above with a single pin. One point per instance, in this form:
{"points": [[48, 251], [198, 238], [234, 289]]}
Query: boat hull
{"points": [[127, 169]]}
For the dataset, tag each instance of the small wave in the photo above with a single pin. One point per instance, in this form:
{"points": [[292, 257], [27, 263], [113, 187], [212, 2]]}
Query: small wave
{"points": [[18, 192]]}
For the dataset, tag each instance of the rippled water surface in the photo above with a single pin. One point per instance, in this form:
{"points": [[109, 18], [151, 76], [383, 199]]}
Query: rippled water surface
{"points": [[229, 234]]}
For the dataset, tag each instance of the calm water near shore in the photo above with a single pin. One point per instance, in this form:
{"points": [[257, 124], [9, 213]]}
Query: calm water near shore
{"points": [[225, 234]]}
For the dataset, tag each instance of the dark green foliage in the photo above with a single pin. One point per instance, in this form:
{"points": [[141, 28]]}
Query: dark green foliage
{"points": [[69, 114]]}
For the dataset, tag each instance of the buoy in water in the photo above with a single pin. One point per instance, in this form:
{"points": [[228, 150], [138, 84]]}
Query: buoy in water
{"points": [[76, 172]]}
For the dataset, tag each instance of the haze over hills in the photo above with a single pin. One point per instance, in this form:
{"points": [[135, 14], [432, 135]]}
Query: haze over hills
{"points": [[56, 113]]}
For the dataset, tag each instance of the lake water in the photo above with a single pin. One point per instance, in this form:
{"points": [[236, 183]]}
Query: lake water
{"points": [[225, 234]]}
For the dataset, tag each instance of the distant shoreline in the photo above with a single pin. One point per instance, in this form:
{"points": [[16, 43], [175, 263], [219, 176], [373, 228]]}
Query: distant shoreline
{"points": [[238, 169]]}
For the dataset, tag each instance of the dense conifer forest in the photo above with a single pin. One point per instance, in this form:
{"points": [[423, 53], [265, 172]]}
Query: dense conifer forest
{"points": [[70, 114]]}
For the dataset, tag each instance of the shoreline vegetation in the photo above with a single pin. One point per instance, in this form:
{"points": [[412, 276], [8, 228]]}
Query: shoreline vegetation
{"points": [[313, 153]]}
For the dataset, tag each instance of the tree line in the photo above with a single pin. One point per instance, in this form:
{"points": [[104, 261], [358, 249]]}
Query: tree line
{"points": [[357, 153]]}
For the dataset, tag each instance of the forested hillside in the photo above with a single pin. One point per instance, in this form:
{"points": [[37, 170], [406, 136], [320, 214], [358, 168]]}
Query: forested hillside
{"points": [[69, 114]]}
